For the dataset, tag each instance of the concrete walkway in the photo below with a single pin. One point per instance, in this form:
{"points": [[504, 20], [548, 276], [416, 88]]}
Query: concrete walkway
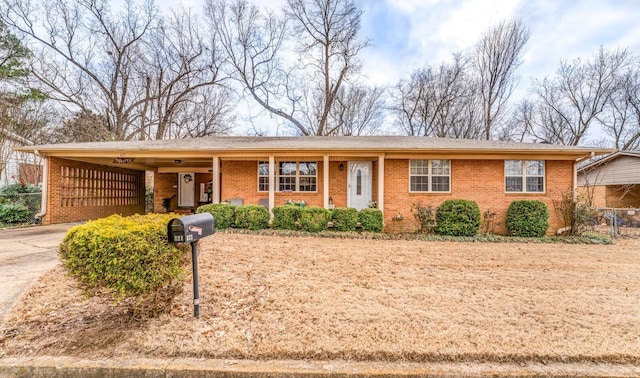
{"points": [[26, 254]]}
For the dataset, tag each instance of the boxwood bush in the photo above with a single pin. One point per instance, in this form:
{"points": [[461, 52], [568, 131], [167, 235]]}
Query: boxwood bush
{"points": [[224, 214], [458, 217], [252, 217], [527, 218], [314, 219], [286, 217], [128, 257], [371, 220], [345, 219]]}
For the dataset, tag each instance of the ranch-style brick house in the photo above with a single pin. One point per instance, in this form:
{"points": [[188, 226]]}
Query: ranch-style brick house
{"points": [[85, 181]]}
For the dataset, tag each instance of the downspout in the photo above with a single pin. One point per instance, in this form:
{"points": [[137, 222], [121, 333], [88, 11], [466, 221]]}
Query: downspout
{"points": [[45, 187]]}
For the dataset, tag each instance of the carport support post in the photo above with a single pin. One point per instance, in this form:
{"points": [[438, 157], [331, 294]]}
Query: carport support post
{"points": [[196, 294]]}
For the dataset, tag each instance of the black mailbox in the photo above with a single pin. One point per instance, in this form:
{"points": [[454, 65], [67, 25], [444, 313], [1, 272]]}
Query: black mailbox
{"points": [[190, 228]]}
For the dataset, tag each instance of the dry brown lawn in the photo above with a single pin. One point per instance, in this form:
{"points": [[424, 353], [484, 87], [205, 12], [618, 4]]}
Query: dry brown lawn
{"points": [[273, 297]]}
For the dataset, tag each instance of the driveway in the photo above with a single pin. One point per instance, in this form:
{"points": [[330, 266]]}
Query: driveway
{"points": [[26, 254]]}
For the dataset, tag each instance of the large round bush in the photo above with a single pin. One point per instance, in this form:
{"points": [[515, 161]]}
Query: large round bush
{"points": [[126, 256], [314, 219], [458, 217], [527, 218]]}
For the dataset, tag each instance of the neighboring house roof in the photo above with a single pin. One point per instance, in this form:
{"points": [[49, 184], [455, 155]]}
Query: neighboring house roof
{"points": [[389, 146], [619, 168]]}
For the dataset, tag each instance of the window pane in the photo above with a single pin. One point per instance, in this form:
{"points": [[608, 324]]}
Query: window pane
{"points": [[513, 184], [263, 184], [419, 184], [307, 184], [419, 167], [440, 184], [513, 167], [263, 168], [440, 167], [535, 184], [307, 168], [287, 183], [287, 168], [535, 168], [358, 182]]}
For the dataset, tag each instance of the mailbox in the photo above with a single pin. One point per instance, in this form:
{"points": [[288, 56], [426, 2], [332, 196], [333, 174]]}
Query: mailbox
{"points": [[190, 228]]}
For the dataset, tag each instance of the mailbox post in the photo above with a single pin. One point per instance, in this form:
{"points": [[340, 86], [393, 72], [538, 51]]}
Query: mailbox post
{"points": [[190, 229]]}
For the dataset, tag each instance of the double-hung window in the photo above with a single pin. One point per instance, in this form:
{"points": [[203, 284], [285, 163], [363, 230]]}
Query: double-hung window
{"points": [[524, 176], [429, 176], [291, 176]]}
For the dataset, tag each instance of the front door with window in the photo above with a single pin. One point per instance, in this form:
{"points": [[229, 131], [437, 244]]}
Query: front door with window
{"points": [[186, 189], [359, 184]]}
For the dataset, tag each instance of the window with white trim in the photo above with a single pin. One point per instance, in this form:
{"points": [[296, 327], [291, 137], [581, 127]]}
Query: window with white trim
{"points": [[263, 176], [429, 175], [524, 176], [291, 176]]}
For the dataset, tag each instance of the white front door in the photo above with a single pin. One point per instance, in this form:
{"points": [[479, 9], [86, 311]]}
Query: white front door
{"points": [[186, 189], [359, 184]]}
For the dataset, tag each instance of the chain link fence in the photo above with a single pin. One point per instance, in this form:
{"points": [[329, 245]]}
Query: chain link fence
{"points": [[616, 222], [19, 207]]}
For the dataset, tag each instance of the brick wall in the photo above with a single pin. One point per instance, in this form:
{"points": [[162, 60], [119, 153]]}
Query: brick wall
{"points": [[91, 198], [479, 180]]}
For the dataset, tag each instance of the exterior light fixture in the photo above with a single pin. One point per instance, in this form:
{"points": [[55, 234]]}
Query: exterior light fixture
{"points": [[177, 161], [341, 167]]}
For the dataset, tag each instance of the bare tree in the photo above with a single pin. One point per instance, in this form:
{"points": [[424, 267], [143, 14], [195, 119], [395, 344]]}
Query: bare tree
{"points": [[566, 106], [440, 102], [145, 68], [621, 116], [303, 90], [357, 111], [497, 57]]}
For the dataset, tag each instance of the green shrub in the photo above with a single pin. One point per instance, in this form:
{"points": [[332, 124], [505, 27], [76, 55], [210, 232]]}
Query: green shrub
{"points": [[224, 214], [458, 217], [314, 219], [371, 219], [285, 217], [527, 218], [252, 217], [345, 219], [129, 257], [14, 189], [14, 212]]}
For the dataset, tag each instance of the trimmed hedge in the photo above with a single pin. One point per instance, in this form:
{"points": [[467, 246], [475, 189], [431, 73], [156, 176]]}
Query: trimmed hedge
{"points": [[314, 219], [371, 220], [224, 214], [252, 217], [458, 217], [286, 217], [345, 219], [129, 257], [527, 218]]}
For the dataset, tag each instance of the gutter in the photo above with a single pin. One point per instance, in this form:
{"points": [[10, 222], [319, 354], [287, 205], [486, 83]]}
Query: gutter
{"points": [[45, 187]]}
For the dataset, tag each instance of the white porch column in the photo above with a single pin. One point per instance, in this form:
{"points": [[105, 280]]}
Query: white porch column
{"points": [[325, 181], [381, 183], [272, 184], [215, 180]]}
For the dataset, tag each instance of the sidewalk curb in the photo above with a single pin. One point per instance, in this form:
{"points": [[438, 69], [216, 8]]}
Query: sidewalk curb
{"points": [[68, 367]]}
